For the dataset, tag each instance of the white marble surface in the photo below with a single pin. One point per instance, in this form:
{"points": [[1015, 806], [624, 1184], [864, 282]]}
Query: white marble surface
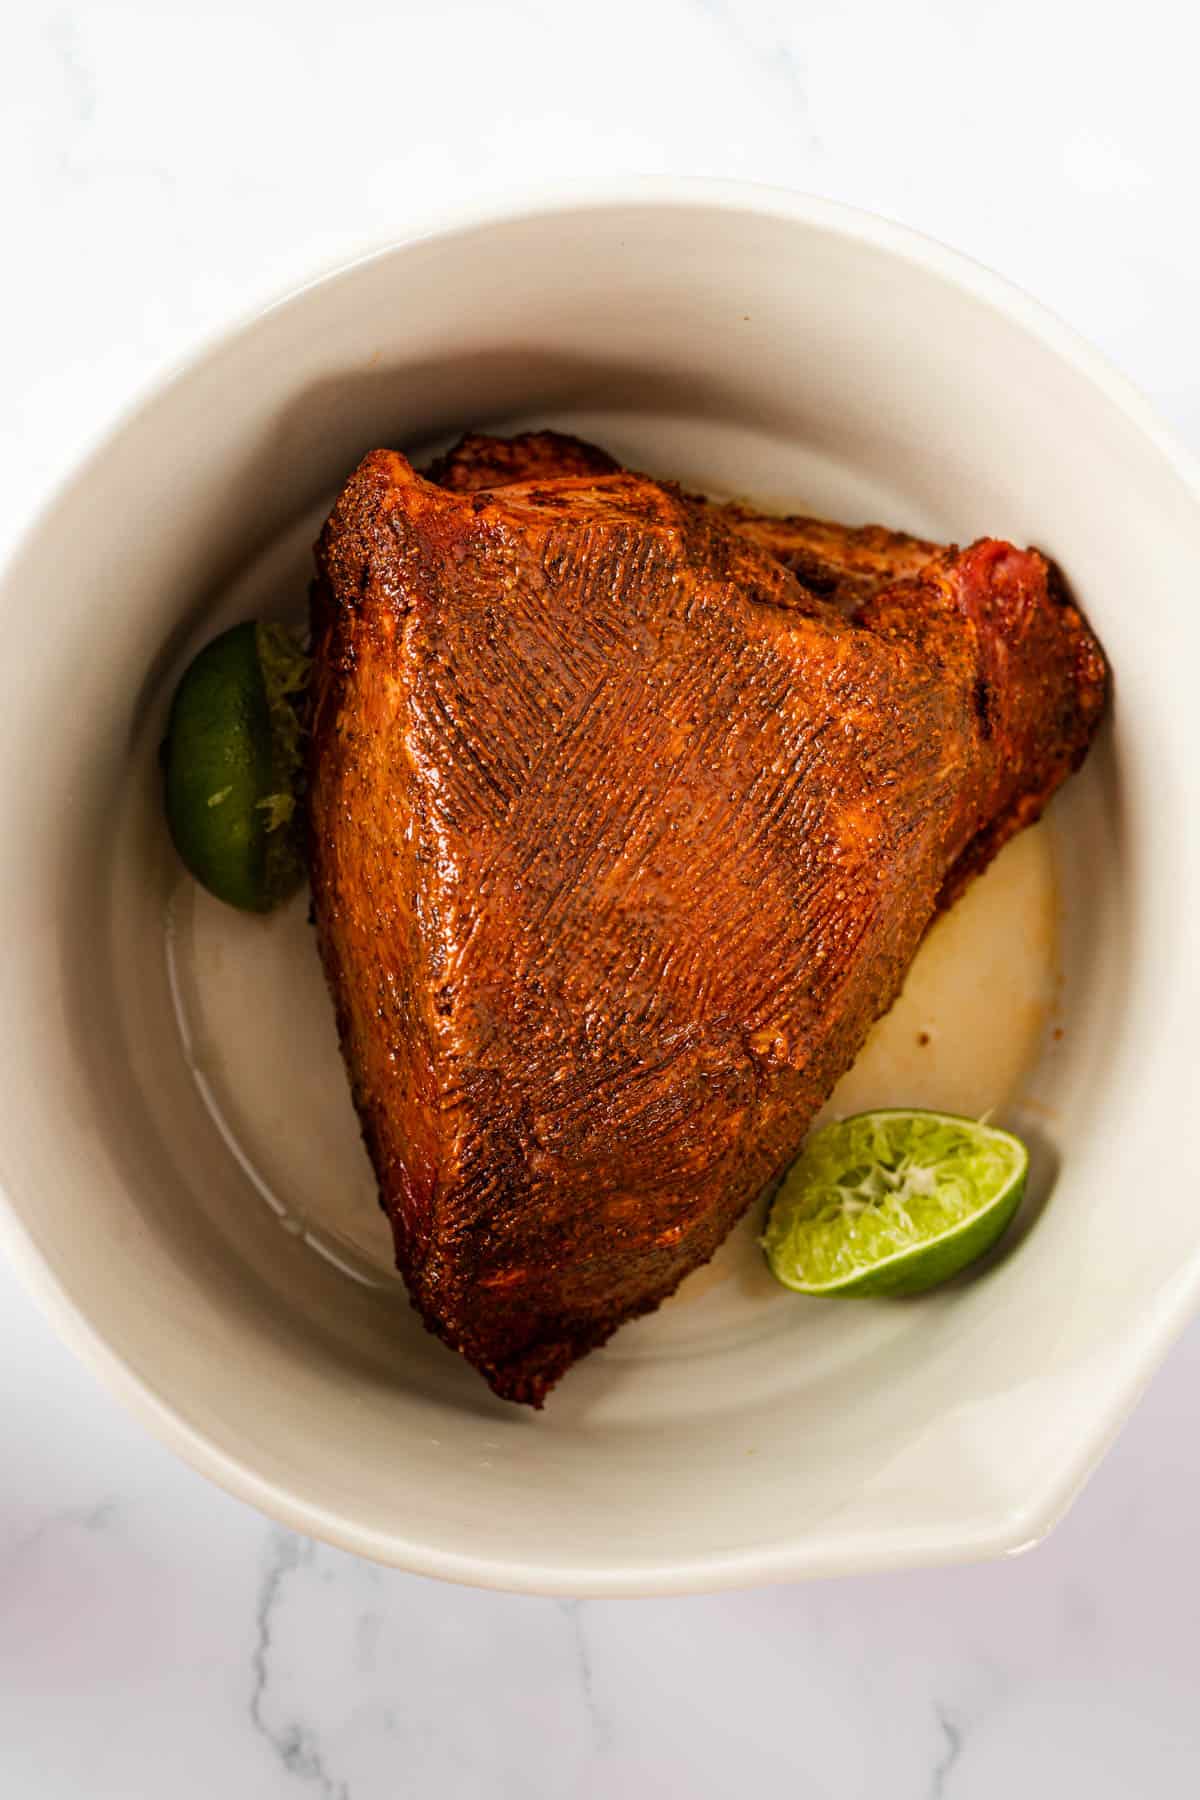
{"points": [[166, 165]]}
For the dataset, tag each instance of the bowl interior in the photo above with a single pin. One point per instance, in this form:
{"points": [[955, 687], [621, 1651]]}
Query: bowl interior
{"points": [[801, 360]]}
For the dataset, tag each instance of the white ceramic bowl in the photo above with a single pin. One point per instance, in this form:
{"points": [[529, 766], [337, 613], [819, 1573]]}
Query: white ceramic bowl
{"points": [[743, 340]]}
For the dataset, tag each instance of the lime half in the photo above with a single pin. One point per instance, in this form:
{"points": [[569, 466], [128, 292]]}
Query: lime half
{"points": [[232, 766], [892, 1203]]}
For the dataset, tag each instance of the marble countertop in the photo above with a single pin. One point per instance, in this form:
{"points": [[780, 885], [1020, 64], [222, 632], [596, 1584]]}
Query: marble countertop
{"points": [[165, 166]]}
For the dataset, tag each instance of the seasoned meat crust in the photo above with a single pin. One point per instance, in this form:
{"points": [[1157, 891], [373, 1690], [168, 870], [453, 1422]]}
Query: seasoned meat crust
{"points": [[478, 461], [842, 563], [621, 838]]}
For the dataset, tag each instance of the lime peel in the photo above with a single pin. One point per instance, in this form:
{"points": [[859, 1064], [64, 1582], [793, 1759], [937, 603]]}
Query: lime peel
{"points": [[892, 1202]]}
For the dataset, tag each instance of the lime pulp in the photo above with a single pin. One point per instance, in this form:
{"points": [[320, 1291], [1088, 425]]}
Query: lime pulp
{"points": [[892, 1202]]}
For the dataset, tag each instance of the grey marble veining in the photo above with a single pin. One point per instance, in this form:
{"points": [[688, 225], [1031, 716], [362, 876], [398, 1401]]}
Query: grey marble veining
{"points": [[164, 168]]}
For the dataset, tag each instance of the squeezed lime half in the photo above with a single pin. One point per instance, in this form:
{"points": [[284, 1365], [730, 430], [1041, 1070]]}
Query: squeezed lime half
{"points": [[892, 1202], [232, 765]]}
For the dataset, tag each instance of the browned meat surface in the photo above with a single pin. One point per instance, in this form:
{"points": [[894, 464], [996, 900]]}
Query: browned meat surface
{"points": [[842, 563], [478, 461], [621, 839]]}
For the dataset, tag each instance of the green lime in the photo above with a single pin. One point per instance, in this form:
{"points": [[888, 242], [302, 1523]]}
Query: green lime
{"points": [[892, 1203], [232, 763]]}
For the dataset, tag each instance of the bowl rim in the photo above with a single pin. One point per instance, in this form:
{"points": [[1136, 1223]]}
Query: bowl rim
{"points": [[1017, 1530]]}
